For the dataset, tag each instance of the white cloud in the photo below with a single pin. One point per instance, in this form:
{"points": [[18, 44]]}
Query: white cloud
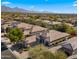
{"points": [[6, 2], [41, 10], [31, 7], [75, 4]]}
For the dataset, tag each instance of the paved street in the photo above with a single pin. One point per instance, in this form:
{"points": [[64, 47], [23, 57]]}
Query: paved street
{"points": [[5, 53]]}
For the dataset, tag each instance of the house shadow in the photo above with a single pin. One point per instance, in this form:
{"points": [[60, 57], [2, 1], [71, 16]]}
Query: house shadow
{"points": [[20, 48], [33, 44], [3, 47], [14, 47]]}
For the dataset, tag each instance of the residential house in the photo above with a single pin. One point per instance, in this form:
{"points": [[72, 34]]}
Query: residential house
{"points": [[70, 46], [53, 37]]}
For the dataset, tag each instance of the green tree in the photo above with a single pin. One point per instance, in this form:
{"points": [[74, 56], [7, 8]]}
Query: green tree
{"points": [[8, 29], [61, 27], [66, 28], [15, 35], [36, 51], [71, 31], [41, 52], [60, 55]]}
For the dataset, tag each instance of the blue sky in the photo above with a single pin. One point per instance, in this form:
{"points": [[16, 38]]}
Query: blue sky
{"points": [[56, 6]]}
